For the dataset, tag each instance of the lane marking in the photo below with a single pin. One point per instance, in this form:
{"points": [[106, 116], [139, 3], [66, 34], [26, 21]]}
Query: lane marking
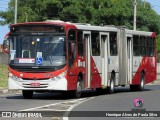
{"points": [[73, 106], [75, 100]]}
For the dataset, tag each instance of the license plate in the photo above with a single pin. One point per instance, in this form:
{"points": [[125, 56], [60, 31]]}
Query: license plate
{"points": [[35, 84]]}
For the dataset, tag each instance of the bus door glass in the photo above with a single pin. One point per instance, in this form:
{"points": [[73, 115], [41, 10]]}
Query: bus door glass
{"points": [[113, 61], [129, 58], [104, 57], [71, 46], [95, 52], [87, 41]]}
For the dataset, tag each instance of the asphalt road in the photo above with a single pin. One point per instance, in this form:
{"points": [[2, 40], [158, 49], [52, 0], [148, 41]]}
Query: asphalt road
{"points": [[121, 100]]}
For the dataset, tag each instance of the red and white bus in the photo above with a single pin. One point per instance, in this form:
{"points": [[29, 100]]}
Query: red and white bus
{"points": [[63, 56]]}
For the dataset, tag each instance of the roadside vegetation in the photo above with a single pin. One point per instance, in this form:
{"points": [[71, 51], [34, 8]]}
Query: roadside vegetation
{"points": [[96, 12], [3, 76]]}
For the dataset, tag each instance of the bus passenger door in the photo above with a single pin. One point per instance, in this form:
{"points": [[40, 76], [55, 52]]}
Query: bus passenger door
{"points": [[87, 42], [104, 37], [129, 59]]}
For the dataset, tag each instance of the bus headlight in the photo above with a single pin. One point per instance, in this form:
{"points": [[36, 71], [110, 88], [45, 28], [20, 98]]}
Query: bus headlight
{"points": [[60, 76], [13, 77]]}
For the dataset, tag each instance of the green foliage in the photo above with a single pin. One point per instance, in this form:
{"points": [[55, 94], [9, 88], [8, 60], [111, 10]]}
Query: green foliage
{"points": [[3, 76], [98, 12], [147, 18]]}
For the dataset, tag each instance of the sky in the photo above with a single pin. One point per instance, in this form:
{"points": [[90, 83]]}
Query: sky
{"points": [[4, 5]]}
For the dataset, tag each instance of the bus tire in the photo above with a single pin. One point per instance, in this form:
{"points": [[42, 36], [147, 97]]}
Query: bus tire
{"points": [[139, 87], [142, 82], [101, 91], [110, 89], [77, 93], [133, 87], [27, 94]]}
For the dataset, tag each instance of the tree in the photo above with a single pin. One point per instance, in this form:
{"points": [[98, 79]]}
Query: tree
{"points": [[147, 18], [97, 12]]}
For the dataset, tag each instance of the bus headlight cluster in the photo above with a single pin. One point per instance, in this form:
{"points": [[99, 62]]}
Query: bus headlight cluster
{"points": [[60, 76], [13, 77]]}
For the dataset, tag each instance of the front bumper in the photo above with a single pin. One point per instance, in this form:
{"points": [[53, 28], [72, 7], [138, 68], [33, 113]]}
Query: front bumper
{"points": [[49, 84]]}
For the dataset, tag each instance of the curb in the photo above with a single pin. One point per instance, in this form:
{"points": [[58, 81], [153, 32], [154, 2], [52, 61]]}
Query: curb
{"points": [[6, 91], [3, 91]]}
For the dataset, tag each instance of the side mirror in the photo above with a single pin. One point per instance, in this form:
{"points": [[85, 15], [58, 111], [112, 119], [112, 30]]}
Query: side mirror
{"points": [[5, 45]]}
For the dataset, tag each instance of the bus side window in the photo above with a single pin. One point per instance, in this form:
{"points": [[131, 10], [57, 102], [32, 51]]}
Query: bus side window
{"points": [[113, 44], [136, 46], [151, 46], [143, 45], [95, 44], [80, 44], [71, 46]]}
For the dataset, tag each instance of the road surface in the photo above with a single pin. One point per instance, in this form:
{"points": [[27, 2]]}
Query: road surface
{"points": [[121, 100]]}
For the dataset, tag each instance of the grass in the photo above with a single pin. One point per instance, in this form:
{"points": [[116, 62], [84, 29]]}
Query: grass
{"points": [[3, 76]]}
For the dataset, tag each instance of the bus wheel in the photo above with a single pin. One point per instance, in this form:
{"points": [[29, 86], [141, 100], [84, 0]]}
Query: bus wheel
{"points": [[142, 83], [133, 87], [110, 89], [100, 90], [27, 94], [139, 87], [77, 93]]}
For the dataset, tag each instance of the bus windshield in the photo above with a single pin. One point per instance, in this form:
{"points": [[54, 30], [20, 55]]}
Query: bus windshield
{"points": [[34, 50]]}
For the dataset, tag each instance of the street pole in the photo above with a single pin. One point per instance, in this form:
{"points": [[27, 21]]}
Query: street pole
{"points": [[15, 12], [135, 15], [26, 17], [144, 3]]}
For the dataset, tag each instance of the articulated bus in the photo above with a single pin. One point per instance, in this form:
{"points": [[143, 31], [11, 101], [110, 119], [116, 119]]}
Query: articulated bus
{"points": [[73, 57]]}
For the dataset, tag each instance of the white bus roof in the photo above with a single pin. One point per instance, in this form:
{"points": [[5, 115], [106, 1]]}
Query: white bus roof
{"points": [[135, 32], [96, 28], [107, 28]]}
